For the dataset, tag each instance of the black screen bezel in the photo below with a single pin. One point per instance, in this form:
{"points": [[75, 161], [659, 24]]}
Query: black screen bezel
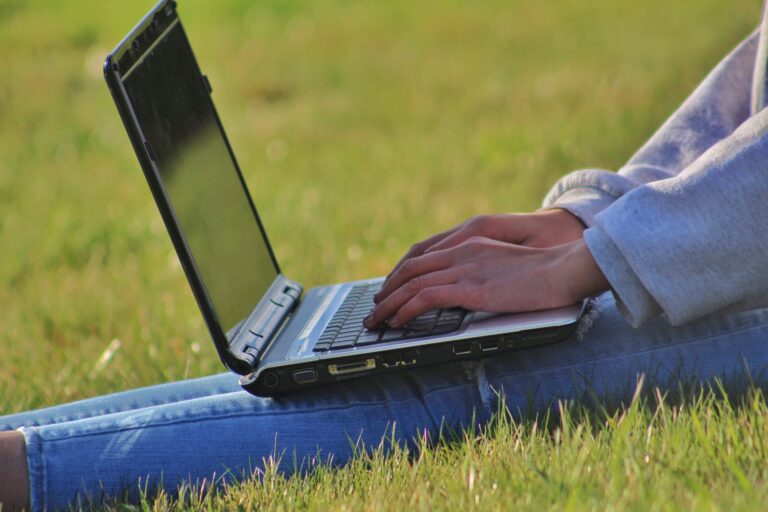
{"points": [[130, 50]]}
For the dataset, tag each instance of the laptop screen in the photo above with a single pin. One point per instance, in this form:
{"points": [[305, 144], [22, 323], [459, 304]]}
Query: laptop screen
{"points": [[200, 177]]}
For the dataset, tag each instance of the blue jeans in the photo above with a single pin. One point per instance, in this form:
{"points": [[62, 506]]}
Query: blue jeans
{"points": [[190, 431]]}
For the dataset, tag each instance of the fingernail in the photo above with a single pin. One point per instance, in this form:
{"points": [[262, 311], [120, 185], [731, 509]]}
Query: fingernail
{"points": [[395, 324], [367, 320]]}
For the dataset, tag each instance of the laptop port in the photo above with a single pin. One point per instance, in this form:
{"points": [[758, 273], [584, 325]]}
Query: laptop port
{"points": [[305, 376], [461, 349], [360, 365], [395, 359], [270, 379], [489, 346], [509, 341]]}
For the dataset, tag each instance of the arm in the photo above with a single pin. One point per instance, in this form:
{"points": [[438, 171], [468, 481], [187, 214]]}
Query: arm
{"points": [[694, 244], [714, 110], [459, 267]]}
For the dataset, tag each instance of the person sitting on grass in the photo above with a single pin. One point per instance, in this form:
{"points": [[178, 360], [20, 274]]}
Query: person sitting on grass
{"points": [[674, 247]]}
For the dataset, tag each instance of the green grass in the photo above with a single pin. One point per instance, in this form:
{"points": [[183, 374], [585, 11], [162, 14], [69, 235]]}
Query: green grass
{"points": [[361, 128], [707, 453]]}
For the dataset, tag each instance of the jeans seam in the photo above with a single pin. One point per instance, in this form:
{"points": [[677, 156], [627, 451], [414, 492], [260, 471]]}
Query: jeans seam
{"points": [[36, 468]]}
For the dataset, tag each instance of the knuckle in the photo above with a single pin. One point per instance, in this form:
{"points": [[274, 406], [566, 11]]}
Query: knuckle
{"points": [[415, 285], [408, 266], [417, 248], [474, 241], [482, 223], [479, 221], [428, 295]]}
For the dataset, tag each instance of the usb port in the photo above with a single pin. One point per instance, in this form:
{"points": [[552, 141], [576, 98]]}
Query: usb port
{"points": [[489, 346], [461, 349]]}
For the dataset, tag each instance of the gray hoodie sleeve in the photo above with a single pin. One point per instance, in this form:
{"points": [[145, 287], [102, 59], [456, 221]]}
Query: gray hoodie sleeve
{"points": [[714, 110], [696, 243]]}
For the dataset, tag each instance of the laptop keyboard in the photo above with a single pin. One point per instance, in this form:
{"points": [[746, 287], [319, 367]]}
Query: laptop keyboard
{"points": [[346, 330]]}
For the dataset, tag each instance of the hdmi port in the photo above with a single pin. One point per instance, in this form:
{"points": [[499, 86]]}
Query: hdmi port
{"points": [[352, 366], [461, 349]]}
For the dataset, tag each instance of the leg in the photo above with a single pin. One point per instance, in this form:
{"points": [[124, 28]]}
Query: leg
{"points": [[612, 356], [234, 432], [14, 478], [124, 401]]}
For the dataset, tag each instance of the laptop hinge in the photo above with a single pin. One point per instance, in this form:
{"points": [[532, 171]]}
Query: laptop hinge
{"points": [[266, 320]]}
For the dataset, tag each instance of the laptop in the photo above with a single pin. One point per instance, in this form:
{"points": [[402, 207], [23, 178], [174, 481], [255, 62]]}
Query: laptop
{"points": [[266, 327]]}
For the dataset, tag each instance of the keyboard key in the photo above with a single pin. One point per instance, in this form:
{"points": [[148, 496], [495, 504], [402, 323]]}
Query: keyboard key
{"points": [[422, 324], [442, 329], [368, 338], [420, 328], [339, 344], [393, 334], [447, 322], [453, 312], [321, 347]]}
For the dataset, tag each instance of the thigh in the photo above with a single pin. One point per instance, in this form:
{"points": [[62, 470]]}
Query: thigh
{"points": [[612, 356]]}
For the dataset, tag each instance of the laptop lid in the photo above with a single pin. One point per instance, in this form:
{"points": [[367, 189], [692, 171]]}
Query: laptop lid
{"points": [[164, 101]]}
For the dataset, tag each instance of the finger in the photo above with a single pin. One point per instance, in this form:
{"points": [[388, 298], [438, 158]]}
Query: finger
{"points": [[410, 269], [489, 226], [452, 240], [389, 306], [418, 248], [445, 296]]}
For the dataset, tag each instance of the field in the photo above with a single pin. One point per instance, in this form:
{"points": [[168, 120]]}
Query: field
{"points": [[361, 127]]}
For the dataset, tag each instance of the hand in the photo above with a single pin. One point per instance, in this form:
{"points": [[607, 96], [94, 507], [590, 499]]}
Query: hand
{"points": [[487, 275], [546, 228]]}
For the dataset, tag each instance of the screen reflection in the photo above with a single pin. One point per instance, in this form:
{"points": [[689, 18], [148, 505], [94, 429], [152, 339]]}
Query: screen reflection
{"points": [[199, 176]]}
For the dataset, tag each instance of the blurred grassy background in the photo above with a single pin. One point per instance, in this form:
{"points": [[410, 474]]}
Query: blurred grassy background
{"points": [[361, 127]]}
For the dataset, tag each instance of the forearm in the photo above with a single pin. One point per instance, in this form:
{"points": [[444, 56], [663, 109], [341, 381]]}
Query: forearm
{"points": [[714, 110], [694, 244]]}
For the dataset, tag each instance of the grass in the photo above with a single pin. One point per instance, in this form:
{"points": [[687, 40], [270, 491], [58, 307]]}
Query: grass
{"points": [[707, 453], [361, 127]]}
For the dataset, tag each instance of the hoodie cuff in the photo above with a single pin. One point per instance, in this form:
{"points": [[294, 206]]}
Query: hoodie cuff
{"points": [[583, 202], [634, 301]]}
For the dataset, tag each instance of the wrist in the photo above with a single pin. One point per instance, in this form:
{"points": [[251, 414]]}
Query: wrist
{"points": [[579, 272], [554, 226]]}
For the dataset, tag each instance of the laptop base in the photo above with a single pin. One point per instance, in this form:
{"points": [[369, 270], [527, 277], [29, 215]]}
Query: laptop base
{"points": [[280, 380]]}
